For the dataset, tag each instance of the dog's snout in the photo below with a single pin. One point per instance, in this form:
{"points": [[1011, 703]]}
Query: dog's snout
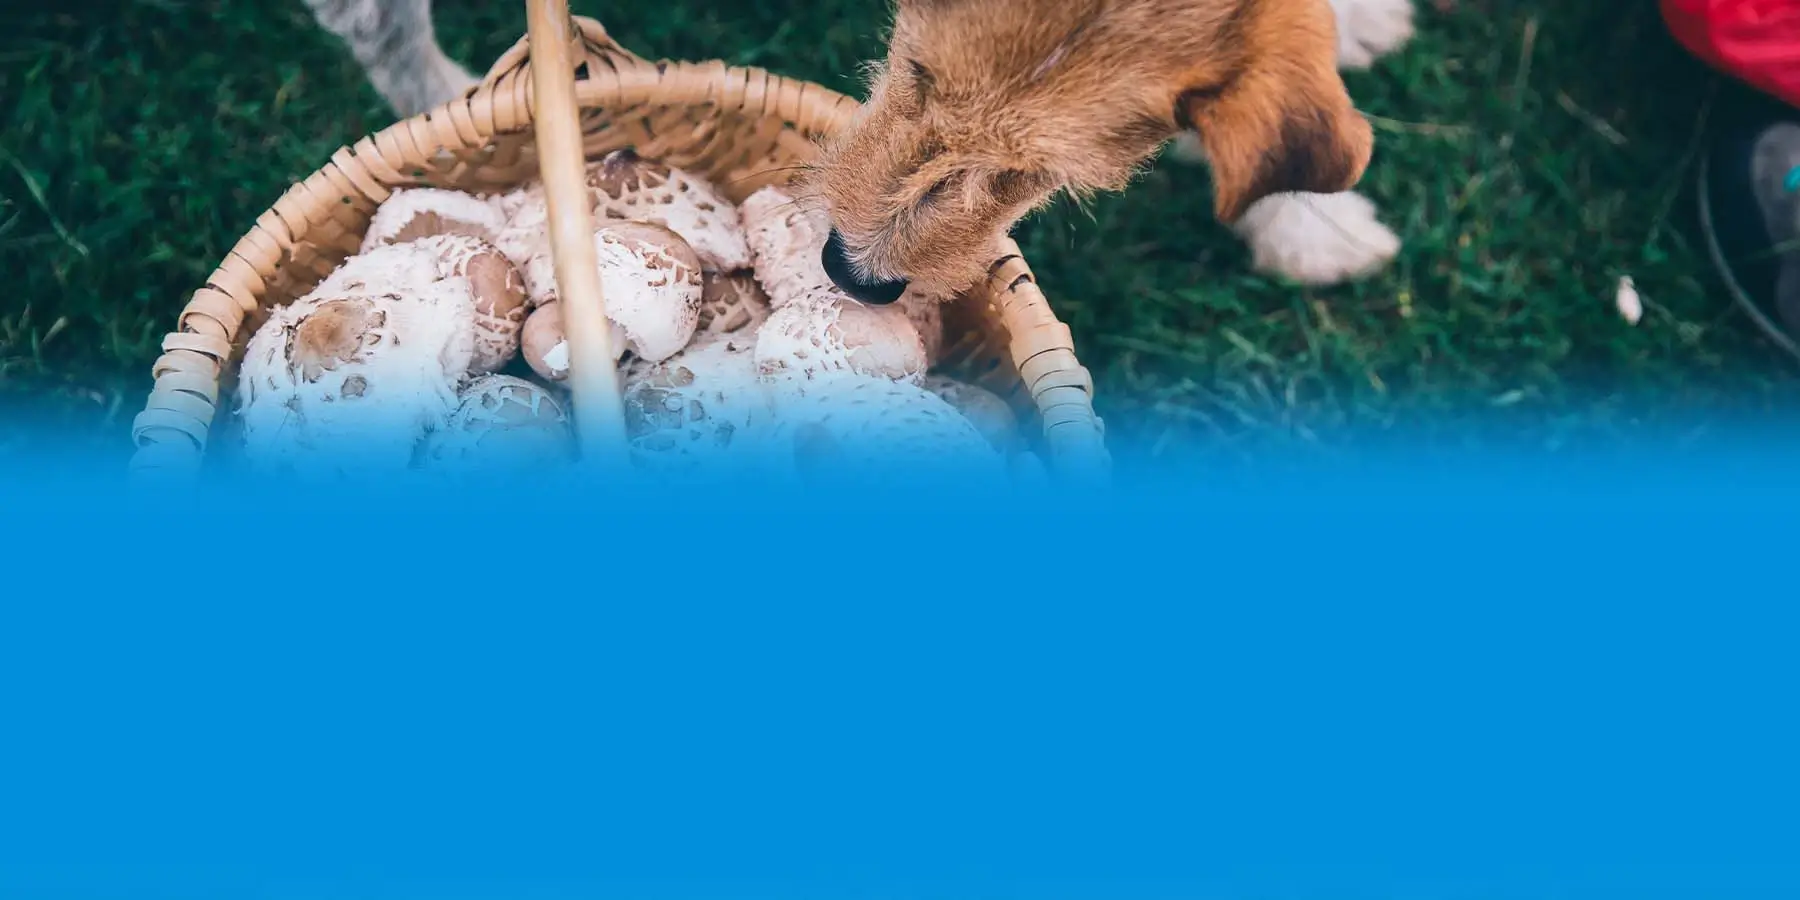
{"points": [[836, 259]]}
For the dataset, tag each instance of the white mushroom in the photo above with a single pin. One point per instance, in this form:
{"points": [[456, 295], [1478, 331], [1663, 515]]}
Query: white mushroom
{"points": [[699, 411], [820, 335], [525, 239], [861, 427], [546, 348], [984, 409], [815, 328], [926, 312], [627, 187], [730, 301], [651, 286], [496, 288], [350, 376], [501, 424], [785, 244], [650, 283], [412, 213]]}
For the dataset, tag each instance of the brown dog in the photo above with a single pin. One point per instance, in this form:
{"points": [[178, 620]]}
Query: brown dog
{"points": [[984, 109]]}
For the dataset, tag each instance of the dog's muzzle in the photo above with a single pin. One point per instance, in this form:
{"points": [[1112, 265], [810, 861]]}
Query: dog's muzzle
{"points": [[836, 259]]}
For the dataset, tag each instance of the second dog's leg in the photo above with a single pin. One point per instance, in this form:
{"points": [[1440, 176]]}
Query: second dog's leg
{"points": [[1369, 29], [1310, 238], [397, 47]]}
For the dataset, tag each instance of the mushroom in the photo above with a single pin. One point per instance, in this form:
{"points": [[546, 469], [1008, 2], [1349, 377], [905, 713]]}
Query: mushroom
{"points": [[500, 423], [412, 213], [730, 301], [855, 427], [525, 239], [984, 409], [926, 312], [651, 285], [785, 244], [545, 347], [627, 187], [697, 411], [815, 328], [497, 289], [821, 335], [352, 375]]}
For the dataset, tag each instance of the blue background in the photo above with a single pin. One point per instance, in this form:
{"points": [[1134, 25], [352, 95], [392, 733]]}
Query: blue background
{"points": [[1387, 678]]}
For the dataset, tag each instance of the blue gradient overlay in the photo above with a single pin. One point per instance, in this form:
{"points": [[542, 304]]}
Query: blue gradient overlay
{"points": [[1396, 676]]}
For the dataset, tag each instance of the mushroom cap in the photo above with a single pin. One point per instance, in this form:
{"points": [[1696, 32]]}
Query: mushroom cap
{"points": [[926, 312], [349, 377], [849, 426], [412, 213], [785, 242], [698, 410], [500, 423], [525, 239], [543, 344], [820, 335], [498, 291], [730, 301], [651, 285], [984, 409], [627, 187]]}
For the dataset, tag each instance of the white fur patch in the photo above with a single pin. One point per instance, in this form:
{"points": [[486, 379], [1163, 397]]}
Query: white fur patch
{"points": [[1317, 238], [1370, 29]]}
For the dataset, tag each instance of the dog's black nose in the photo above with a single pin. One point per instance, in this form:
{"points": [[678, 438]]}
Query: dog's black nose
{"points": [[837, 264]]}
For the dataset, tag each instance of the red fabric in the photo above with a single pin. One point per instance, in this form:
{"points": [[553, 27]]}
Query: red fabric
{"points": [[1758, 41]]}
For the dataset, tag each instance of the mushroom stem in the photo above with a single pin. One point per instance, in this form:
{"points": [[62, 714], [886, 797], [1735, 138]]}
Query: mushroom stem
{"points": [[593, 380]]}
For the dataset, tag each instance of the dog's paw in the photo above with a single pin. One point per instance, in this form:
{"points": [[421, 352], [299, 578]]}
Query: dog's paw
{"points": [[1370, 29], [1317, 239]]}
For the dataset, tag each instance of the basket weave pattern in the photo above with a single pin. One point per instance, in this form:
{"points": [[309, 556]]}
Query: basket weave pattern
{"points": [[740, 128]]}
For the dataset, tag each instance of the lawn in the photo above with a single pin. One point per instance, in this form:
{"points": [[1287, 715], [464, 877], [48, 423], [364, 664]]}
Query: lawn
{"points": [[1530, 154]]}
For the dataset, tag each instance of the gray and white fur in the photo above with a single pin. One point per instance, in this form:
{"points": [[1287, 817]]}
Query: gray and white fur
{"points": [[397, 47]]}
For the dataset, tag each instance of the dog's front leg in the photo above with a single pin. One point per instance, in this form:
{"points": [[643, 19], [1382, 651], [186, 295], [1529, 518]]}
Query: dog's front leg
{"points": [[1314, 239], [397, 46]]}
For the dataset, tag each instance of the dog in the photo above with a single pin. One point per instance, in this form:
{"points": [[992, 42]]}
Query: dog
{"points": [[983, 110]]}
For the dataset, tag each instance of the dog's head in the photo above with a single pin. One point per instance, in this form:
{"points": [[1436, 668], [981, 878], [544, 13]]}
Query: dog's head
{"points": [[983, 109]]}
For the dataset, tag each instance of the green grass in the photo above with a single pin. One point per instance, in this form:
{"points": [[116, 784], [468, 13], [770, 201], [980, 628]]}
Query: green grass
{"points": [[1529, 153]]}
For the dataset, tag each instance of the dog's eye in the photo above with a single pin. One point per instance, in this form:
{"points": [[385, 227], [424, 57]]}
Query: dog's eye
{"points": [[922, 79], [937, 191]]}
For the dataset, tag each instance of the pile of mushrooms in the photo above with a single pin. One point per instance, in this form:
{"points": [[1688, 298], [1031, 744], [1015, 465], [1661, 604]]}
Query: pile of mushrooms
{"points": [[439, 348]]}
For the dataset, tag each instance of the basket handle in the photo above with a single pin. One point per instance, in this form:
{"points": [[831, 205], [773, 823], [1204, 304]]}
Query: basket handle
{"points": [[593, 383]]}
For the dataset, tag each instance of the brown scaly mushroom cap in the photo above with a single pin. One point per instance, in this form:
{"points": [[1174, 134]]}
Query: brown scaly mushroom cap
{"points": [[500, 423], [730, 301], [412, 213], [650, 281], [498, 291], [627, 187]]}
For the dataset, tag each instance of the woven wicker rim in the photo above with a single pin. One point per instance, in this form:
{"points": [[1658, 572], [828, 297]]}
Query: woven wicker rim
{"points": [[482, 141]]}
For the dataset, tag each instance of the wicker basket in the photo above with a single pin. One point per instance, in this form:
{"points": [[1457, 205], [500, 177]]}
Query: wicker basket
{"points": [[741, 128]]}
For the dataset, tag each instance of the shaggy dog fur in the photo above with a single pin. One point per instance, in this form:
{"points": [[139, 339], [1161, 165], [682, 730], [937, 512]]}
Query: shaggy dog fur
{"points": [[984, 109]]}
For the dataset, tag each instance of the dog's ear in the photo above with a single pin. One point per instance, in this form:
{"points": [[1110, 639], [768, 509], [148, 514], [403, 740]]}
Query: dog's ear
{"points": [[1280, 120]]}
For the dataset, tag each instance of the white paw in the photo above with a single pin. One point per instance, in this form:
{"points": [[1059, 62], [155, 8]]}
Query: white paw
{"points": [[1369, 29], [1317, 239]]}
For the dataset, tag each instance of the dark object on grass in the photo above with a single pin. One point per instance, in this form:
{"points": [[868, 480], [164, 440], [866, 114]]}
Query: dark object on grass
{"points": [[1749, 195]]}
